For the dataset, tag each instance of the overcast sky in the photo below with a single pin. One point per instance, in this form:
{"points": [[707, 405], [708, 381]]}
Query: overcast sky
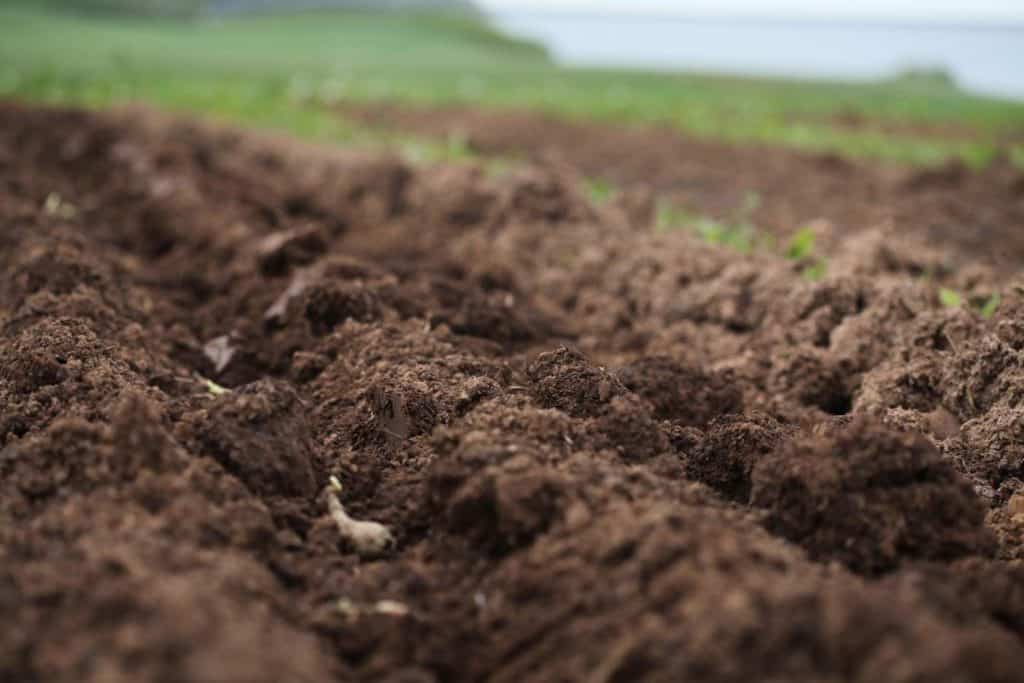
{"points": [[909, 9]]}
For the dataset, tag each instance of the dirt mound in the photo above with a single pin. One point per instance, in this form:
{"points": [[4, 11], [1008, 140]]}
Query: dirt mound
{"points": [[870, 498], [686, 395], [733, 445], [596, 452]]}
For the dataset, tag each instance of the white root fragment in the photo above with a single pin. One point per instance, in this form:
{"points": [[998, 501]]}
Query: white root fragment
{"points": [[391, 608], [367, 538]]}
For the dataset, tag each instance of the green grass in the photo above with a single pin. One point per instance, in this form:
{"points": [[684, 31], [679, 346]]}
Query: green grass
{"points": [[277, 71], [259, 70], [740, 233], [737, 233]]}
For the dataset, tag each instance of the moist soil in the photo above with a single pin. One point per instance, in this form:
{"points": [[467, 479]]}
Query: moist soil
{"points": [[603, 453], [951, 215]]}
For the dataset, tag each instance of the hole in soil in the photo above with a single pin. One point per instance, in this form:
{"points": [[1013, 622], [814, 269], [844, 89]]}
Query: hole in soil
{"points": [[16, 428], [837, 403], [299, 206], [940, 342]]}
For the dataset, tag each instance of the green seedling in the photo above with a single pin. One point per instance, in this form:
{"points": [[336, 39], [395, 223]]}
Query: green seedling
{"points": [[740, 235], [952, 299], [815, 271], [598, 190], [801, 244], [214, 388], [989, 308], [949, 298]]}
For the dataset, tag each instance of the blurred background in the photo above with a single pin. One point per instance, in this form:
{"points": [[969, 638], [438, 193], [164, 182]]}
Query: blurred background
{"points": [[976, 44], [907, 81]]}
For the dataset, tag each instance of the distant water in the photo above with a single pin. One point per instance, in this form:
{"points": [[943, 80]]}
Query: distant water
{"points": [[985, 59]]}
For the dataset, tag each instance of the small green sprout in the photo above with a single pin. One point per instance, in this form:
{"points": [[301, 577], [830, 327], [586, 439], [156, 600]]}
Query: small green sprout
{"points": [[598, 190], [989, 308], [949, 298], [815, 271], [214, 388], [801, 244], [740, 235], [986, 309]]}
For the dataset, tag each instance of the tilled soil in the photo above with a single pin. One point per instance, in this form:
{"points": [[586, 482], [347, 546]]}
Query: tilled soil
{"points": [[952, 216], [600, 453]]}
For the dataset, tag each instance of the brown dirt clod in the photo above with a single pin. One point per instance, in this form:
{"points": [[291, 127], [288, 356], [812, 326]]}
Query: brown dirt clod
{"points": [[870, 498]]}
